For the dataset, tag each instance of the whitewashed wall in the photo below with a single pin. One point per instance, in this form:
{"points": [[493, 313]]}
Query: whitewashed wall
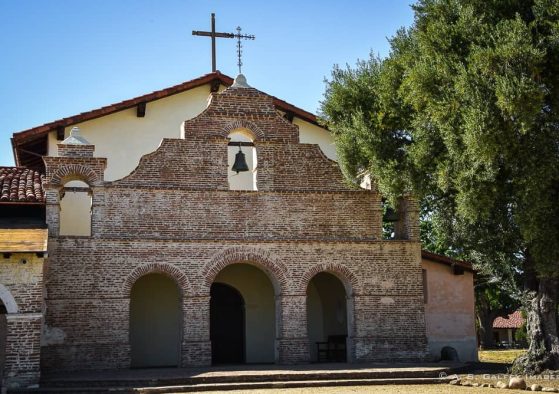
{"points": [[123, 138]]}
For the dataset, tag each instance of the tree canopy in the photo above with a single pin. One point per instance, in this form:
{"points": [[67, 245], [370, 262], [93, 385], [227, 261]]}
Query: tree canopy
{"points": [[464, 113]]}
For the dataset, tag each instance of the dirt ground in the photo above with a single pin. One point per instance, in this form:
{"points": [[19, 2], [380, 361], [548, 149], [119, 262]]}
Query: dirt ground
{"points": [[387, 389], [505, 357]]}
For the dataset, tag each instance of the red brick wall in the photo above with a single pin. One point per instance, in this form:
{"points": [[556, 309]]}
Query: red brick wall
{"points": [[174, 214], [235, 215], [21, 274]]}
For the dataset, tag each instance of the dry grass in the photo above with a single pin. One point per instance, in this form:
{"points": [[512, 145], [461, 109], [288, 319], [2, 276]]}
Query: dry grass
{"points": [[500, 356], [507, 357]]}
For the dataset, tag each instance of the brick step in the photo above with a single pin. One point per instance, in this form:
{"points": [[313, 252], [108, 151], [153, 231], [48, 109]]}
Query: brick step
{"points": [[137, 388], [238, 377]]}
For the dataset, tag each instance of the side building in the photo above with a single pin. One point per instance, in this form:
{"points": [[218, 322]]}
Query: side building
{"points": [[23, 251]]}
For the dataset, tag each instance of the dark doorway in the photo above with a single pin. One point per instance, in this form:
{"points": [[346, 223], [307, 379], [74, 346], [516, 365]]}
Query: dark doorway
{"points": [[227, 325]]}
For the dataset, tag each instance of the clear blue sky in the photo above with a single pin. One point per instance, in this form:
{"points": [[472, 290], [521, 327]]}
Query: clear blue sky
{"points": [[62, 57]]}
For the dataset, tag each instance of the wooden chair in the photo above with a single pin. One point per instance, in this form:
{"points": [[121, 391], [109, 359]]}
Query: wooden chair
{"points": [[334, 350]]}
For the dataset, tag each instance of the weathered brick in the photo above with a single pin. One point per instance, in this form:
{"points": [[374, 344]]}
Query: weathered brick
{"points": [[175, 215]]}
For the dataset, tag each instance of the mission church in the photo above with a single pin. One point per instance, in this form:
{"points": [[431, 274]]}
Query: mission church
{"points": [[209, 223]]}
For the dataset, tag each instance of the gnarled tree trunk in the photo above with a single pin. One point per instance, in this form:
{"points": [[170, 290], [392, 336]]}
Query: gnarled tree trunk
{"points": [[485, 319], [542, 326]]}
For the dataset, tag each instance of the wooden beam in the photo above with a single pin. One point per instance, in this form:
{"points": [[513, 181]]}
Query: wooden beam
{"points": [[60, 133], [30, 152], [457, 270], [237, 143], [141, 109], [289, 116], [214, 86]]}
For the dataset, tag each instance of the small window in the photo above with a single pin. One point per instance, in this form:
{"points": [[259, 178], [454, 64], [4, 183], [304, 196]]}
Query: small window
{"points": [[75, 209], [425, 288], [241, 141]]}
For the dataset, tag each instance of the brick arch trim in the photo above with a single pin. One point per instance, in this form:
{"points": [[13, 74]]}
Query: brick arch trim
{"points": [[344, 274], [275, 270], [8, 300], [157, 268], [74, 172], [246, 124]]}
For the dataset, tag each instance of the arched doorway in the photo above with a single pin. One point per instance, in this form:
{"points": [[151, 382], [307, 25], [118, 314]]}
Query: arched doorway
{"points": [[248, 295], [155, 322], [227, 325], [242, 140], [327, 320]]}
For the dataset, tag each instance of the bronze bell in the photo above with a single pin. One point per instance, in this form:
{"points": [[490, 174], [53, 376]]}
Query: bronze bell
{"points": [[240, 164], [390, 215]]}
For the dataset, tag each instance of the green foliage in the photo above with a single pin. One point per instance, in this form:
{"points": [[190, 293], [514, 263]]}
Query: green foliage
{"points": [[521, 334], [464, 114]]}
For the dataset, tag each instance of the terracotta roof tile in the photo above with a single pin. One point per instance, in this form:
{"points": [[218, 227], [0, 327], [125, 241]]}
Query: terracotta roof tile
{"points": [[514, 320], [21, 185], [439, 258]]}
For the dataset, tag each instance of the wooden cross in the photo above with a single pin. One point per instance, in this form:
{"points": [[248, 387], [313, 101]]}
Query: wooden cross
{"points": [[213, 34]]}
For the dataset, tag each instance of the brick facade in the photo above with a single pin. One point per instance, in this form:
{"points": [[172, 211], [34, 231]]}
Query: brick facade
{"points": [[21, 293], [176, 215]]}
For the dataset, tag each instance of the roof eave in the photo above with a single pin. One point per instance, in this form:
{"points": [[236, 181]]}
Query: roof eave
{"points": [[439, 258]]}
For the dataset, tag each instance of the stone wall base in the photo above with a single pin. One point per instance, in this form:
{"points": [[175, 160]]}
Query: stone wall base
{"points": [[197, 354], [394, 349], [292, 351]]}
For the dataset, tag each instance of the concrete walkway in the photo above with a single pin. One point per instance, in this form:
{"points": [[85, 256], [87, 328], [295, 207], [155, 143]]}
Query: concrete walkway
{"points": [[177, 380], [249, 373]]}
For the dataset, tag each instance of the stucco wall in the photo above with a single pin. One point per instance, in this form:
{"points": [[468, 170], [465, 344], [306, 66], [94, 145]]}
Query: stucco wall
{"points": [[75, 209], [123, 138], [449, 311], [312, 134]]}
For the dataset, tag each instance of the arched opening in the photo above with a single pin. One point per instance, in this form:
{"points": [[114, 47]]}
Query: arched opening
{"points": [[252, 285], [241, 140], [3, 337], [227, 325], [75, 209], [155, 322], [327, 321]]}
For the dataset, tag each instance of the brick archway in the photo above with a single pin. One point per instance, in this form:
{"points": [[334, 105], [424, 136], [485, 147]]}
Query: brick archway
{"points": [[8, 300], [243, 124], [275, 271], [73, 172], [344, 274], [157, 268], [349, 282]]}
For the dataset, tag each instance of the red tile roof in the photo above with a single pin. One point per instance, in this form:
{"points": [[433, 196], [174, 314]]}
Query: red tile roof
{"points": [[514, 320], [439, 258], [20, 185], [216, 76]]}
